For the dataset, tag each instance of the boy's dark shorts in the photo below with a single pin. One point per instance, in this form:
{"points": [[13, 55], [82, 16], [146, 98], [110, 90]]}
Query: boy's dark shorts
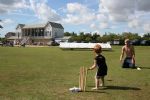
{"points": [[101, 73], [128, 63]]}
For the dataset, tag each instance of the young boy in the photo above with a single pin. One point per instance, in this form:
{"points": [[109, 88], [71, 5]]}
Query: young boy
{"points": [[128, 49], [100, 62]]}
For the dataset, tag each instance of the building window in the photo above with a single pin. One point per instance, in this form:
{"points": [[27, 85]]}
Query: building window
{"points": [[45, 33], [42, 34], [50, 34], [55, 34]]}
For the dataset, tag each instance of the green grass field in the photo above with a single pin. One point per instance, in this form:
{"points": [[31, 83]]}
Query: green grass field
{"points": [[47, 74]]}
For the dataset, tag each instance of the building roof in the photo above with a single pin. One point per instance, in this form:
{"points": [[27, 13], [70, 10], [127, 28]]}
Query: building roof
{"points": [[53, 24], [21, 25], [56, 25], [35, 26]]}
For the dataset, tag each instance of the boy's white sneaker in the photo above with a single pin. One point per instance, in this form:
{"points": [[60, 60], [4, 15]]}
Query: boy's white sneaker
{"points": [[138, 68], [102, 85], [95, 88]]}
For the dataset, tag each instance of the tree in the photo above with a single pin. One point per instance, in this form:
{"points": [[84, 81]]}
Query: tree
{"points": [[73, 34], [105, 38], [98, 39], [94, 37], [1, 25], [67, 34], [146, 36], [88, 39], [130, 35]]}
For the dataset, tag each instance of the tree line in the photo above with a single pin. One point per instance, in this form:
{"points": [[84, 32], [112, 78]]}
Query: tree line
{"points": [[108, 37]]}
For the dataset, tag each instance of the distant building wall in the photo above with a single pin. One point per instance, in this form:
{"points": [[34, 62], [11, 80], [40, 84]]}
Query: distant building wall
{"points": [[39, 32], [57, 32]]}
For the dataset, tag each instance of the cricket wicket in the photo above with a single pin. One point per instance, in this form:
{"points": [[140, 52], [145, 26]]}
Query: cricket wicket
{"points": [[82, 78]]}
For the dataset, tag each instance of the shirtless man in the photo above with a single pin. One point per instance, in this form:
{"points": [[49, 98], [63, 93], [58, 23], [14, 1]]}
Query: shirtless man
{"points": [[128, 49]]}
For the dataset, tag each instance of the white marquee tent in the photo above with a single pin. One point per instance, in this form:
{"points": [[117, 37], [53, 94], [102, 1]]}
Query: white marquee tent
{"points": [[66, 45]]}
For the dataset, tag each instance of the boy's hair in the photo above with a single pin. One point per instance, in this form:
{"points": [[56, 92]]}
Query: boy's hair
{"points": [[97, 48], [127, 41]]}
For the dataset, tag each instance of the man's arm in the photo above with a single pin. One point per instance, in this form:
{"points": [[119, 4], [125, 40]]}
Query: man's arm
{"points": [[133, 55], [133, 51], [122, 53]]}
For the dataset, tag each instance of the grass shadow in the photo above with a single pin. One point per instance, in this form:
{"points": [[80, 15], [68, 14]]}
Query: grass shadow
{"points": [[109, 80], [117, 88], [96, 91], [144, 67], [121, 88]]}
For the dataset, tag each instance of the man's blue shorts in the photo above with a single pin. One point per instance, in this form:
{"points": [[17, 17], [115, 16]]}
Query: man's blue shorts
{"points": [[128, 63]]}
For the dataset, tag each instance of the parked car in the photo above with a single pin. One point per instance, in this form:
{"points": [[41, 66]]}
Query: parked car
{"points": [[1, 43], [145, 42], [135, 42]]}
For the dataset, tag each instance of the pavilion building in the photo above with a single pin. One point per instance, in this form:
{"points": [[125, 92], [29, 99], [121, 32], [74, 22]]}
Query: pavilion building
{"points": [[37, 34]]}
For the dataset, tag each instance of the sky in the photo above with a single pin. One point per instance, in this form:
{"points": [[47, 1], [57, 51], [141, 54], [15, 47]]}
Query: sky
{"points": [[87, 16]]}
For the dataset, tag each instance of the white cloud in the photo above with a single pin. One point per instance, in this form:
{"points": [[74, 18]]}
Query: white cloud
{"points": [[143, 5], [121, 10], [78, 14], [40, 8], [94, 26], [102, 17], [43, 11], [133, 13], [118, 17], [75, 8], [113, 14], [11, 5], [6, 22], [146, 27], [135, 23], [104, 25], [117, 10], [99, 26], [7, 26]]}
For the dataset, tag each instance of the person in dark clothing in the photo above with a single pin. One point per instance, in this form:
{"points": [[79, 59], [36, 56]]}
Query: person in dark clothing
{"points": [[100, 63]]}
